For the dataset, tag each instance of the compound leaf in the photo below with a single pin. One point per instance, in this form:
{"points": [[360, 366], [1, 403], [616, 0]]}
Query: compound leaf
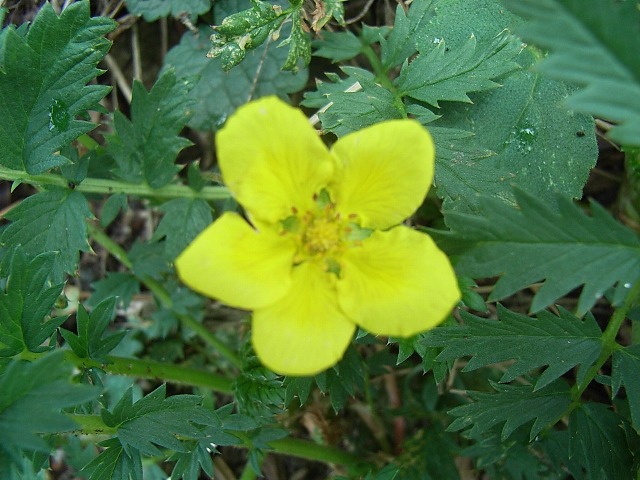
{"points": [[146, 146], [559, 342], [599, 442], [115, 284], [48, 221], [33, 396], [154, 9], [43, 85], [592, 47], [90, 341], [513, 405], [443, 73], [183, 219], [625, 368], [532, 243], [25, 303], [156, 420]]}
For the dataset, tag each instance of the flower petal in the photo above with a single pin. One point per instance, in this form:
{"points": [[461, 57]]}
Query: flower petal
{"points": [[272, 159], [398, 283], [305, 332], [384, 172], [239, 266]]}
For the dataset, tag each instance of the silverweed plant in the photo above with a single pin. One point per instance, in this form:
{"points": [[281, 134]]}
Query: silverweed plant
{"points": [[348, 240]]}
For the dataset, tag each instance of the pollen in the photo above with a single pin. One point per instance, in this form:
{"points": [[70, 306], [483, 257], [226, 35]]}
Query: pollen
{"points": [[322, 236]]}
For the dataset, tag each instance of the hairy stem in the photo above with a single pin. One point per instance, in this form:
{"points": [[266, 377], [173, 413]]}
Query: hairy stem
{"points": [[108, 187]]}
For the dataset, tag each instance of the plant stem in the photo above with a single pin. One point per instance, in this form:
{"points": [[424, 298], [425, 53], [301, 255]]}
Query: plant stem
{"points": [[108, 187], [609, 344], [382, 77], [91, 425], [322, 453], [163, 296], [133, 367]]}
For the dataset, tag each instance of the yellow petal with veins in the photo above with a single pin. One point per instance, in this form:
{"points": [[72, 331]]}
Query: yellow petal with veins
{"points": [[305, 332], [238, 265], [397, 283], [272, 159], [383, 172]]}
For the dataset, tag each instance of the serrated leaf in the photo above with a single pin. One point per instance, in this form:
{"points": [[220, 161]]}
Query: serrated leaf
{"points": [[443, 73], [33, 396], [152, 10], [257, 76], [48, 221], [624, 371], [514, 406], [299, 44], [183, 220], [352, 103], [401, 42], [123, 286], [156, 421], [561, 343], [90, 341], [189, 464], [25, 304], [592, 47], [43, 85], [146, 146], [597, 439], [114, 463], [337, 46], [533, 243], [343, 380]]}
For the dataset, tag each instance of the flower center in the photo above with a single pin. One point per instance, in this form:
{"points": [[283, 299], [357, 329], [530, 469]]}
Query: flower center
{"points": [[322, 233]]}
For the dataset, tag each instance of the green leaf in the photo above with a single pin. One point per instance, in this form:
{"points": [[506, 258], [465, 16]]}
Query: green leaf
{"points": [[559, 342], [337, 46], [146, 146], [112, 207], [532, 243], [245, 30], [343, 380], [351, 103], [188, 464], [156, 421], [594, 48], [625, 368], [401, 42], [114, 463], [43, 85], [183, 219], [299, 43], [33, 396], [599, 442], [26, 303], [154, 9], [123, 286], [443, 73], [259, 75], [90, 341], [52, 220], [514, 406]]}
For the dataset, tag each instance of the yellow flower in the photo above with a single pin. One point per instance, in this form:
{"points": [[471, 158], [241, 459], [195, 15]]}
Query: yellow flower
{"points": [[323, 250]]}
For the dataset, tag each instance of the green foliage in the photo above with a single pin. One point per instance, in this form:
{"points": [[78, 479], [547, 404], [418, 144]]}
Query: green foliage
{"points": [[514, 406], [625, 365], [26, 302], [183, 219], [441, 73], [561, 342], [258, 75], [146, 146], [591, 47], [122, 286], [533, 243], [90, 341], [48, 221], [400, 43], [598, 440], [53, 76], [154, 9], [33, 396]]}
